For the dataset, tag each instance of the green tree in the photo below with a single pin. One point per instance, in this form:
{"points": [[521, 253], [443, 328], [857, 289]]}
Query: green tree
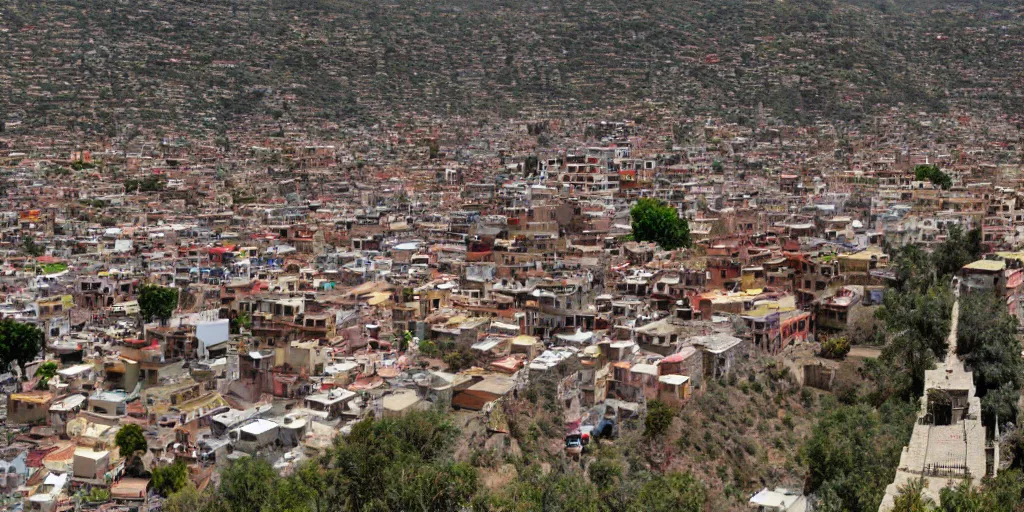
{"points": [[1005, 492], [247, 485], [987, 341], [45, 372], [911, 498], [309, 487], [97, 495], [917, 325], [558, 491], [130, 440], [933, 174], [20, 343], [170, 478], [658, 419], [853, 451], [913, 268], [371, 464], [242, 320], [31, 248], [404, 341], [962, 498], [189, 499], [437, 486], [607, 470], [835, 347], [458, 359], [957, 250], [157, 302], [655, 221]]}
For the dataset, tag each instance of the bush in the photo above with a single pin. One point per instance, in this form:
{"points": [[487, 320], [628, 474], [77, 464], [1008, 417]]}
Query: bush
{"points": [[835, 347], [458, 360], [428, 348], [97, 495], [658, 419], [170, 479]]}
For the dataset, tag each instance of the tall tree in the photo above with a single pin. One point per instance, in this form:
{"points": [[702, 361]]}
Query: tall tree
{"points": [[170, 478], [987, 341], [20, 343], [655, 221], [957, 250], [853, 451], [917, 323], [247, 485], [157, 302], [130, 440], [933, 174]]}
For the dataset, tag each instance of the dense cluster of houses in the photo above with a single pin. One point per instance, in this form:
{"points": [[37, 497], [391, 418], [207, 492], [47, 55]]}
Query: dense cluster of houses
{"points": [[319, 284]]}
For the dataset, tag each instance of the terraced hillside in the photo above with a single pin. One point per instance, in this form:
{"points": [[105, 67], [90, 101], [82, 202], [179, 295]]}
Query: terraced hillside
{"points": [[96, 64]]}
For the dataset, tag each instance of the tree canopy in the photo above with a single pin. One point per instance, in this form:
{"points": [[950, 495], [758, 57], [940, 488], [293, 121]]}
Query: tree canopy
{"points": [[407, 463], [917, 322], [1004, 493], [45, 372], [655, 221], [170, 478], [912, 499], [130, 440], [157, 302], [20, 343], [933, 174], [853, 452], [987, 341], [658, 419]]}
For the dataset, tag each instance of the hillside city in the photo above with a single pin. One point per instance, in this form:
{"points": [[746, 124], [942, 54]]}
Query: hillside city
{"points": [[331, 255]]}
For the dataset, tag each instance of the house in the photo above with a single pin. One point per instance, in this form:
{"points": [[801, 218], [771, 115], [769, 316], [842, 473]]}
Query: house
{"points": [[64, 410], [28, 407], [329, 405], [255, 435], [688, 361], [108, 404], [47, 495], [674, 388], [130, 490], [779, 500], [400, 402], [482, 391], [720, 352], [90, 465], [841, 310]]}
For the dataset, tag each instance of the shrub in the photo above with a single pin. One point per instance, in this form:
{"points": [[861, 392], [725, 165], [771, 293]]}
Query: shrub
{"points": [[835, 347], [658, 419]]}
